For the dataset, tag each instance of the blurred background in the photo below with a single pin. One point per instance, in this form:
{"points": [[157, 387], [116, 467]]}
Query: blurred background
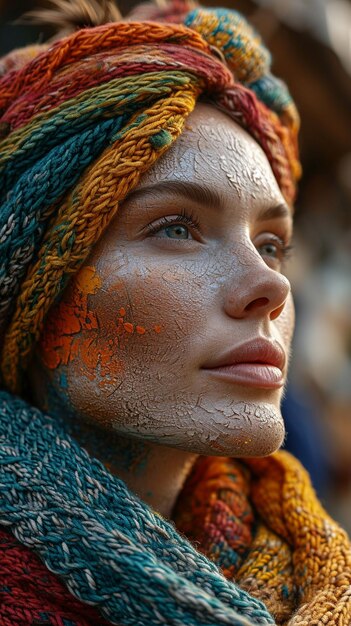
{"points": [[311, 45]]}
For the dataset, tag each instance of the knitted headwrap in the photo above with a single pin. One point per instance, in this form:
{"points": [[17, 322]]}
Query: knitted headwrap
{"points": [[82, 119]]}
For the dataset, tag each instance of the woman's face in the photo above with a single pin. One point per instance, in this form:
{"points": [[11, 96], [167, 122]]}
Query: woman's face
{"points": [[178, 327]]}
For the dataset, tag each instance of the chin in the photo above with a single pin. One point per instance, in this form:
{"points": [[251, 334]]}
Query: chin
{"points": [[253, 430]]}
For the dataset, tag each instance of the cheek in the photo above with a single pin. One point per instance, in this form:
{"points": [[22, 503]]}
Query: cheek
{"points": [[286, 322], [106, 325], [163, 307]]}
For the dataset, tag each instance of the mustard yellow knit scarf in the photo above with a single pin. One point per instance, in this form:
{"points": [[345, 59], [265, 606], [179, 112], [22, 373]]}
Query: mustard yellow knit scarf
{"points": [[262, 523]]}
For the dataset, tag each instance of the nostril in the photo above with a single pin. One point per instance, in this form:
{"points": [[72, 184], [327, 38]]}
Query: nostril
{"points": [[277, 312], [258, 302]]}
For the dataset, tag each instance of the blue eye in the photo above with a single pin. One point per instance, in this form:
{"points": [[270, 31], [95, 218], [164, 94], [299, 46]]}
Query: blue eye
{"points": [[269, 249], [275, 252], [178, 227], [176, 231]]}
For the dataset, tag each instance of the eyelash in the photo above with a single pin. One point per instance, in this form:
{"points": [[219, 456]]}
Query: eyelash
{"points": [[285, 250], [185, 218], [191, 220]]}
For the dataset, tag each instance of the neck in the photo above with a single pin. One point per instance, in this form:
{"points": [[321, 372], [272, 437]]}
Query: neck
{"points": [[155, 473]]}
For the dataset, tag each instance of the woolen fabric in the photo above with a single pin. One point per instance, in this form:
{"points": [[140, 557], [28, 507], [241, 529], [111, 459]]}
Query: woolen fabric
{"points": [[259, 521]]}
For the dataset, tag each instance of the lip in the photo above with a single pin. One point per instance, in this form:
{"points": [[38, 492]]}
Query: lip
{"points": [[257, 363]]}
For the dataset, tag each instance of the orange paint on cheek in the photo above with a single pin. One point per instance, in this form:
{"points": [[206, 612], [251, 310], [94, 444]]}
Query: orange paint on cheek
{"points": [[128, 327], [72, 333], [64, 337], [68, 318], [87, 281]]}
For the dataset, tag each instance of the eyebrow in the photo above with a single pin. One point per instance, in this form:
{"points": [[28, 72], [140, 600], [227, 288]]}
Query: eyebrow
{"points": [[202, 194]]}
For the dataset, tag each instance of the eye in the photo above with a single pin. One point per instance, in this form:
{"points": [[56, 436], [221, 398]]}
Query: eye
{"points": [[176, 231], [269, 249], [273, 249], [177, 227]]}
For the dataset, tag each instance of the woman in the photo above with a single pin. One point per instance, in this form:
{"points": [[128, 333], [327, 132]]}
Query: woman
{"points": [[150, 340]]}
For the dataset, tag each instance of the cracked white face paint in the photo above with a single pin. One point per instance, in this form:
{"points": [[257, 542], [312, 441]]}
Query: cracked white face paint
{"points": [[167, 299]]}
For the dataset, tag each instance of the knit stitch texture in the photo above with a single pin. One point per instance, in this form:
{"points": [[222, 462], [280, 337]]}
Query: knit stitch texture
{"points": [[108, 547], [113, 553]]}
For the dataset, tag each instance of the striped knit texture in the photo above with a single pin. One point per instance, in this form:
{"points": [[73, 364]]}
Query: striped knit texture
{"points": [[86, 117], [261, 523], [267, 531]]}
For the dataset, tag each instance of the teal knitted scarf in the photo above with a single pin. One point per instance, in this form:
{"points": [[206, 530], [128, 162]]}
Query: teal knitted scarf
{"points": [[109, 548]]}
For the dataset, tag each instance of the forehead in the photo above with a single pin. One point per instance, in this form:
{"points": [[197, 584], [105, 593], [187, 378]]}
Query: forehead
{"points": [[216, 150]]}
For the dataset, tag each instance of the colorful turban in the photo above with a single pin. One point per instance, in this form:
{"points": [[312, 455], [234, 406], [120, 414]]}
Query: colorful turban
{"points": [[82, 119]]}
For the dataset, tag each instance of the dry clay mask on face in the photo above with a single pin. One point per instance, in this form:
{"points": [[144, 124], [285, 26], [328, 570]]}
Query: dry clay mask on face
{"points": [[173, 284]]}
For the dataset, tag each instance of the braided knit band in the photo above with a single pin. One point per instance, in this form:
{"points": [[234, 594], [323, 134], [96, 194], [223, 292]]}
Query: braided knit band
{"points": [[86, 118]]}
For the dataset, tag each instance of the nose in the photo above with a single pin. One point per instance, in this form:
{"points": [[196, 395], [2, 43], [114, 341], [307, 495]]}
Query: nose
{"points": [[258, 291]]}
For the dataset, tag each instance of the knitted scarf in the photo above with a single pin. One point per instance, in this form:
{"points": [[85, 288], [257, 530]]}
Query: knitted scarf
{"points": [[120, 563]]}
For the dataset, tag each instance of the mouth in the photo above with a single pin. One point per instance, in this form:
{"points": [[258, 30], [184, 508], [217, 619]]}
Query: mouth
{"points": [[258, 363]]}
